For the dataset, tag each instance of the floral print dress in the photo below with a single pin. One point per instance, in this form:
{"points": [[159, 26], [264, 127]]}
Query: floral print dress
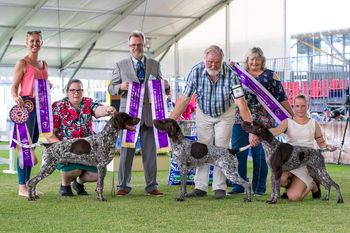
{"points": [[71, 123]]}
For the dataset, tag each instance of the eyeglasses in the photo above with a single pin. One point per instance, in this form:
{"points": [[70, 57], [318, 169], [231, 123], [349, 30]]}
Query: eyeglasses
{"points": [[76, 91], [136, 45]]}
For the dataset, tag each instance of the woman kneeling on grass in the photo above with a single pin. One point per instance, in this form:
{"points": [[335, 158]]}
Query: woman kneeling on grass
{"points": [[301, 131], [73, 119]]}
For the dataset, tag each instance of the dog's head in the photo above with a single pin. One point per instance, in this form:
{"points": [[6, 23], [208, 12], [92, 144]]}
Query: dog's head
{"points": [[170, 126], [258, 129], [122, 120]]}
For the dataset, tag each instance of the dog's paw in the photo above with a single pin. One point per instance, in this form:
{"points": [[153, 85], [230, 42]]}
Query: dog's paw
{"points": [[340, 201], [180, 199], [101, 199], [31, 198], [271, 201], [247, 200]]}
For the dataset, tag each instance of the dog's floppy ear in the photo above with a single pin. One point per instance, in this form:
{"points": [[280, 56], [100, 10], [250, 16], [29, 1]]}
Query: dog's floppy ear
{"points": [[246, 126], [123, 120], [259, 128], [199, 150], [118, 120], [171, 130], [247, 123], [159, 124], [172, 127]]}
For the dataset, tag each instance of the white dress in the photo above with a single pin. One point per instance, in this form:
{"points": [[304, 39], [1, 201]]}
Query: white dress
{"points": [[301, 135]]}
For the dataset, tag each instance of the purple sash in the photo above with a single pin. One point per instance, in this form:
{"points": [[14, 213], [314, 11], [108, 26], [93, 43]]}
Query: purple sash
{"points": [[25, 154], [134, 104], [20, 132], [156, 92], [272, 106], [43, 107]]}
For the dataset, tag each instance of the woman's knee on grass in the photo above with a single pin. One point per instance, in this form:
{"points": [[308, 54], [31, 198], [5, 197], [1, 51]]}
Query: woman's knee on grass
{"points": [[295, 195], [296, 191]]}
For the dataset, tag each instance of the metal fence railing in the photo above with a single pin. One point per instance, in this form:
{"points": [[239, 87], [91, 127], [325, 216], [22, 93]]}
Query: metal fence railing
{"points": [[322, 78]]}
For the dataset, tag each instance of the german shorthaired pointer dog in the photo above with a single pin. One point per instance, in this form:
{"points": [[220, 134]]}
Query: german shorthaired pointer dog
{"points": [[97, 150], [188, 154], [285, 157]]}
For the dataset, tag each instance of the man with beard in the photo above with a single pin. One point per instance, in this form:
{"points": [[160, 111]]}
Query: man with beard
{"points": [[215, 84]]}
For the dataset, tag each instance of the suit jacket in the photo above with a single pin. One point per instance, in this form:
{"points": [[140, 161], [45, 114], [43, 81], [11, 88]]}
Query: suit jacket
{"points": [[124, 70]]}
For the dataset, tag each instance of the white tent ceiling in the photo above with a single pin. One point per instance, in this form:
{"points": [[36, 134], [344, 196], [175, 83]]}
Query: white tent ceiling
{"points": [[70, 28]]}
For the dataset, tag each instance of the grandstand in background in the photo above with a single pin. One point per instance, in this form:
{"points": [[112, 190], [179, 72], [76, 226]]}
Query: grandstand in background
{"points": [[319, 67]]}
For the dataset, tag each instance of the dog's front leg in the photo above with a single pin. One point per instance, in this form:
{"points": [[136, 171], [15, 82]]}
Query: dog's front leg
{"points": [[101, 173], [32, 187], [274, 189], [46, 170], [183, 174]]}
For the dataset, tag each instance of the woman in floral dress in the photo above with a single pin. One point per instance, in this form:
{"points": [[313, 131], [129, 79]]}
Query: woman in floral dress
{"points": [[73, 119]]}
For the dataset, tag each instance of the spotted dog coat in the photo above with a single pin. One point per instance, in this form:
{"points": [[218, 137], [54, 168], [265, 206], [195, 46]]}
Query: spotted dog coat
{"points": [[188, 154], [97, 150], [285, 157]]}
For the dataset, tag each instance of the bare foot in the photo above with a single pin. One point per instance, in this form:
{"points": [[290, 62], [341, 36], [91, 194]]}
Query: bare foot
{"points": [[22, 190]]}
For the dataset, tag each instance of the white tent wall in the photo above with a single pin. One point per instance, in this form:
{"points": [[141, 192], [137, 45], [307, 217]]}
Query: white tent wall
{"points": [[192, 46], [257, 23], [252, 23]]}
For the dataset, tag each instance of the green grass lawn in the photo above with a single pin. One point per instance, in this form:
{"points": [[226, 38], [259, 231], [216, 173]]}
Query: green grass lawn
{"points": [[139, 213]]}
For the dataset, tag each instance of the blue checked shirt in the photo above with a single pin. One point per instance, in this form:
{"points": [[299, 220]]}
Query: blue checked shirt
{"points": [[212, 98]]}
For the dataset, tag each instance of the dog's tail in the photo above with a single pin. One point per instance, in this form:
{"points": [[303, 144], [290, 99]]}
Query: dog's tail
{"points": [[236, 151]]}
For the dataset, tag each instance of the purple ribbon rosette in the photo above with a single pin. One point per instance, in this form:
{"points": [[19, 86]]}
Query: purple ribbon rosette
{"points": [[21, 137]]}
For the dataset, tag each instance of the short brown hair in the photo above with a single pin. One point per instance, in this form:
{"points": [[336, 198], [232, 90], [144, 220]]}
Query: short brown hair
{"points": [[71, 82]]}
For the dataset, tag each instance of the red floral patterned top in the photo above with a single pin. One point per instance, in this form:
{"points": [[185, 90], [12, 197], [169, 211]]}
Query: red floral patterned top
{"points": [[71, 123]]}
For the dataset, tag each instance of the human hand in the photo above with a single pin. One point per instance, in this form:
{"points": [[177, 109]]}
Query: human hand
{"points": [[110, 110], [331, 148], [253, 140], [124, 86], [19, 101]]}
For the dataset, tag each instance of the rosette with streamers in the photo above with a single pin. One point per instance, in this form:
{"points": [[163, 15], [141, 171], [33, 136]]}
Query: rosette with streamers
{"points": [[20, 137]]}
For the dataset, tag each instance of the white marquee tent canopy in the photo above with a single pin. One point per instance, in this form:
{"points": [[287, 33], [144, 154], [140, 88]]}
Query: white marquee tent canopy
{"points": [[97, 30]]}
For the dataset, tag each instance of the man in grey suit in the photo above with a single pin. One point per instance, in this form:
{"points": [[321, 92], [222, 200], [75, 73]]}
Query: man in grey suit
{"points": [[137, 68]]}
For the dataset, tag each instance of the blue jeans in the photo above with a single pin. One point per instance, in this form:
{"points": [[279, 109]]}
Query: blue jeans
{"points": [[32, 125], [239, 139]]}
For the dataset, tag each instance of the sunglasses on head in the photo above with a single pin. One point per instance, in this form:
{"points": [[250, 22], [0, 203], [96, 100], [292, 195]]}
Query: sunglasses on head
{"points": [[33, 32]]}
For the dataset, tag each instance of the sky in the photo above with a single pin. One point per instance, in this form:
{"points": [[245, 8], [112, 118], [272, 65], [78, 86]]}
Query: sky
{"points": [[317, 15]]}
